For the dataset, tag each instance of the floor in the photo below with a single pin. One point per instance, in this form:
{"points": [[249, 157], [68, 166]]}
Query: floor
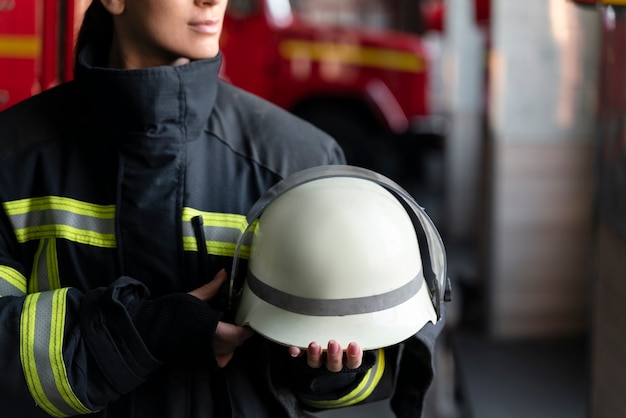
{"points": [[481, 378]]}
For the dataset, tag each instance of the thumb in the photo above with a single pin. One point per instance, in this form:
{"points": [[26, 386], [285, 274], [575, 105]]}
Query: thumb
{"points": [[209, 290], [223, 359]]}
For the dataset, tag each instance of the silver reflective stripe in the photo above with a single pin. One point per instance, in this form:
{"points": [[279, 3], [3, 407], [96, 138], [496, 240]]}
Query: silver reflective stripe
{"points": [[12, 282], [54, 216], [41, 351], [61, 217], [333, 307], [214, 233]]}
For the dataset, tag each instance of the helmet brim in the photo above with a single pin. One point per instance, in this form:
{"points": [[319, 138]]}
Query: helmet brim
{"points": [[370, 330]]}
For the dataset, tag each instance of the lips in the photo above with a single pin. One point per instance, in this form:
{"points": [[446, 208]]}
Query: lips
{"points": [[210, 27]]}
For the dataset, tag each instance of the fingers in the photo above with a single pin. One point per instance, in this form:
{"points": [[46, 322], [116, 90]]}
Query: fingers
{"points": [[295, 351], [314, 355], [227, 338], [223, 359], [209, 290], [334, 358], [354, 356]]}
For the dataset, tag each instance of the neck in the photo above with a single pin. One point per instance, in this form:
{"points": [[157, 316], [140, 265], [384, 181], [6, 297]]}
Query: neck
{"points": [[118, 59]]}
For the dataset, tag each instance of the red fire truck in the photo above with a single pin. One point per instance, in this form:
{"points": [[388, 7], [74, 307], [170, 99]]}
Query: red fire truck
{"points": [[36, 39], [338, 65]]}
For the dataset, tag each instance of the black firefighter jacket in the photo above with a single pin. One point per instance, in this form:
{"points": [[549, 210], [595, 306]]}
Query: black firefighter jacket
{"points": [[126, 186]]}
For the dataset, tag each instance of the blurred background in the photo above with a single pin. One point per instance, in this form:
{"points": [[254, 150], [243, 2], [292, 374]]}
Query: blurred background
{"points": [[505, 119]]}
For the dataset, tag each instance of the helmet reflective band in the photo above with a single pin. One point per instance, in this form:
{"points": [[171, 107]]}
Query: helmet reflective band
{"points": [[335, 258]]}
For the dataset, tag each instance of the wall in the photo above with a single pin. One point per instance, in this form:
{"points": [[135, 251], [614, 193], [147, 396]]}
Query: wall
{"points": [[608, 354], [541, 114]]}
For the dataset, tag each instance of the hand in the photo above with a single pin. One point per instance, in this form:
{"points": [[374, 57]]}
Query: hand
{"points": [[334, 358], [227, 336]]}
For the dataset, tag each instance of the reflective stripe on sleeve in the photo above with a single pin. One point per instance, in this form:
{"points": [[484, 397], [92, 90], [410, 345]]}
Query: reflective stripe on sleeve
{"points": [[62, 217], [222, 230], [41, 353], [45, 274], [12, 282], [359, 393]]}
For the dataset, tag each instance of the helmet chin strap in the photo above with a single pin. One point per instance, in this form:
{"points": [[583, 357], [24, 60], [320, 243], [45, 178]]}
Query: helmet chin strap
{"points": [[439, 285]]}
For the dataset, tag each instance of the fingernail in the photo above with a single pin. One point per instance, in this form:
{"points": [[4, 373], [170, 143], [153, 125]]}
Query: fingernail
{"points": [[315, 348], [353, 349], [333, 347]]}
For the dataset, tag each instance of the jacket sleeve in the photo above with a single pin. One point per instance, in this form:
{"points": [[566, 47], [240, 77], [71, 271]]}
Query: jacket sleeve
{"points": [[64, 351], [69, 353]]}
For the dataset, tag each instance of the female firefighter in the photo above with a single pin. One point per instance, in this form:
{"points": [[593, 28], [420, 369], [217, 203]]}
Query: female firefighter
{"points": [[123, 193]]}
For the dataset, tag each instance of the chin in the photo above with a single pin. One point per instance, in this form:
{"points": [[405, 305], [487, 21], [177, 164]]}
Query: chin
{"points": [[202, 53]]}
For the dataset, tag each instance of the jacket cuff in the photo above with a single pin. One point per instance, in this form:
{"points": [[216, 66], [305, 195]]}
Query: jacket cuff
{"points": [[118, 352], [177, 329], [322, 384]]}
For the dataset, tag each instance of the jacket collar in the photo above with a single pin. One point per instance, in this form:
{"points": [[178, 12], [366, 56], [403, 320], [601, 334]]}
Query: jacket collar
{"points": [[166, 102]]}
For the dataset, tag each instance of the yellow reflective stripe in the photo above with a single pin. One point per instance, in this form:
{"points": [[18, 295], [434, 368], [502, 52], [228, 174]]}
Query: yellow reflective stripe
{"points": [[52, 263], [38, 269], [19, 46], [41, 352], [56, 352], [222, 231], [67, 232], [62, 217], [216, 247], [27, 355], [45, 273], [12, 282], [17, 207], [225, 220], [359, 393], [358, 55]]}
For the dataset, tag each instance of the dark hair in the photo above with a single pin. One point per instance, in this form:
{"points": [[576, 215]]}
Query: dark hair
{"points": [[97, 29]]}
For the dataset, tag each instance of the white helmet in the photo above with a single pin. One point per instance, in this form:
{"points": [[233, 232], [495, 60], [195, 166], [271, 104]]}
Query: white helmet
{"points": [[335, 255]]}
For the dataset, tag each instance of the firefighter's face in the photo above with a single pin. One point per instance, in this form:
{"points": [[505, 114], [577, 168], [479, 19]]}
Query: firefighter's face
{"points": [[161, 32]]}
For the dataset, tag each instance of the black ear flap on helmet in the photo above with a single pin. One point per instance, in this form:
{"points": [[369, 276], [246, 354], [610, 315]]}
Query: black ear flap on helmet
{"points": [[438, 282]]}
